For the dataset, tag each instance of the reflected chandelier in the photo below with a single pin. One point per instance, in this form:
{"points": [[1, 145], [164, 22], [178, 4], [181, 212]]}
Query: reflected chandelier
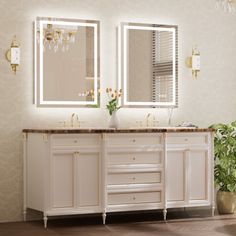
{"points": [[226, 5], [58, 37]]}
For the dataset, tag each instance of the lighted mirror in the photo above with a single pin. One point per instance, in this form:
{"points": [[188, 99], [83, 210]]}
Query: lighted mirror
{"points": [[67, 62], [148, 69]]}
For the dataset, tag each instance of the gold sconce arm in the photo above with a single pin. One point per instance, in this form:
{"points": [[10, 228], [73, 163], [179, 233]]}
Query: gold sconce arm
{"points": [[193, 62], [13, 55]]}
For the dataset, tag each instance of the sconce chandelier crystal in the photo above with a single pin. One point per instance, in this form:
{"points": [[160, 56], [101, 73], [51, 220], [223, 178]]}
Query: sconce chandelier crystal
{"points": [[57, 37], [226, 5]]}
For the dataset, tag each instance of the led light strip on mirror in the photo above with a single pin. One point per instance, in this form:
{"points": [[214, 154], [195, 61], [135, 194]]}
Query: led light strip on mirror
{"points": [[39, 58]]}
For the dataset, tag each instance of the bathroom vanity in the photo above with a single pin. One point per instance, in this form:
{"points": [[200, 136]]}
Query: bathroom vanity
{"points": [[83, 171]]}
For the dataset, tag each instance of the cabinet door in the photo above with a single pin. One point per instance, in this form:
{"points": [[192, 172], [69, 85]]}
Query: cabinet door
{"points": [[88, 179], [198, 175], [176, 178], [62, 180]]}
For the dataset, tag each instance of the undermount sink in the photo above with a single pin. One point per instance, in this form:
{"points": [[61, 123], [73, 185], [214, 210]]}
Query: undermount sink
{"points": [[164, 127], [77, 128]]}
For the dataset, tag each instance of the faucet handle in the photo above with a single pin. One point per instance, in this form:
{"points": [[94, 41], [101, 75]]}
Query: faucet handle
{"points": [[139, 123], [155, 123], [62, 123]]}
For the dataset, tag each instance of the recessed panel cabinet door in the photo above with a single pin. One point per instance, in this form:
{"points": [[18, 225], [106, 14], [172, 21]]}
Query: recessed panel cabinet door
{"points": [[198, 179], [88, 179], [62, 180], [176, 177]]}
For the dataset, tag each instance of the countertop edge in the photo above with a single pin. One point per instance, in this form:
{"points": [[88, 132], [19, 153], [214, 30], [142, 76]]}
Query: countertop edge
{"points": [[109, 130]]}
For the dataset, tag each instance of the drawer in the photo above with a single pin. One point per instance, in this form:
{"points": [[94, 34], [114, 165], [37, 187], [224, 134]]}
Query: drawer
{"points": [[135, 158], [134, 139], [70, 140], [195, 139], [134, 198], [134, 178]]}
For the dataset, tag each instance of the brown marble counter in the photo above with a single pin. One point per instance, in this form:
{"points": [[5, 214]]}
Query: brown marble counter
{"points": [[111, 130]]}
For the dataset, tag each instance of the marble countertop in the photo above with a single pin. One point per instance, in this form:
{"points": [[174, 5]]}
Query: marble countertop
{"points": [[119, 130]]}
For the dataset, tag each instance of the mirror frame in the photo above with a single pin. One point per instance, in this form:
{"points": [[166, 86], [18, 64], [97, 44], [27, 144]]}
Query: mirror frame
{"points": [[38, 66], [123, 63]]}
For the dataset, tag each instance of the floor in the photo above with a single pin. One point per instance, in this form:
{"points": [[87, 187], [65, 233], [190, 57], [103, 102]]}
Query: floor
{"points": [[179, 223]]}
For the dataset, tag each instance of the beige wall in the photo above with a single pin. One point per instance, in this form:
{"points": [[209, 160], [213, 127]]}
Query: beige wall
{"points": [[210, 98]]}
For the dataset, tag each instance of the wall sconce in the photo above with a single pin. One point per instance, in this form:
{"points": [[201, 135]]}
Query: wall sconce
{"points": [[193, 62], [13, 55]]}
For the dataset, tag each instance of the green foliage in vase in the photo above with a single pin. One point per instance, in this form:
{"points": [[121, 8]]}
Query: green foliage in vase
{"points": [[225, 156], [113, 97]]}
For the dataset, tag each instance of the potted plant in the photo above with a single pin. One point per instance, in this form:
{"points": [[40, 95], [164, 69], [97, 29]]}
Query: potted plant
{"points": [[113, 106], [225, 166]]}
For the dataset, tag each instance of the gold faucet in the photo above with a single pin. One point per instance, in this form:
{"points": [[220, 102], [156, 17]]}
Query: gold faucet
{"points": [[153, 121], [147, 119], [72, 120]]}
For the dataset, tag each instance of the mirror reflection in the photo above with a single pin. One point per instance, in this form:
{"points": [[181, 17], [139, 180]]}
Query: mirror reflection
{"points": [[149, 65], [67, 57]]}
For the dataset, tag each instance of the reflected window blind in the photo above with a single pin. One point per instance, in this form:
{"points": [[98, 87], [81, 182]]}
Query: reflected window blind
{"points": [[162, 65]]}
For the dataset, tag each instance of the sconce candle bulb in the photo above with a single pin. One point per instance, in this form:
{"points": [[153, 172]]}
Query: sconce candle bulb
{"points": [[193, 62], [13, 55]]}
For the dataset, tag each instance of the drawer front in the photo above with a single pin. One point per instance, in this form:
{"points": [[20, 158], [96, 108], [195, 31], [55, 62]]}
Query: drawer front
{"points": [[70, 140], [197, 139], [134, 198], [134, 140], [135, 158], [134, 178]]}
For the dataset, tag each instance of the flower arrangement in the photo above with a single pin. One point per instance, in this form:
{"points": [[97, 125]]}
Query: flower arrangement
{"points": [[113, 97]]}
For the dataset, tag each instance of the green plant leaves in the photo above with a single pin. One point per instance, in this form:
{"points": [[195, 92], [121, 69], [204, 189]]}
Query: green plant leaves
{"points": [[112, 105], [225, 156]]}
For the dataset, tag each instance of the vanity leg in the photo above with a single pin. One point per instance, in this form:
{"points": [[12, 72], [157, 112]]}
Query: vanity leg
{"points": [[104, 215], [45, 220], [213, 209], [164, 214]]}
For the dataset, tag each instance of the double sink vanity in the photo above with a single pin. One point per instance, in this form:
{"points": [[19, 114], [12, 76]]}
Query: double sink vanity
{"points": [[83, 171]]}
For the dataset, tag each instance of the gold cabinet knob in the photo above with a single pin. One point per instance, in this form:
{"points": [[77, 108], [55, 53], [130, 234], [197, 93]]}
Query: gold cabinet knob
{"points": [[134, 198], [134, 158], [134, 140], [134, 178]]}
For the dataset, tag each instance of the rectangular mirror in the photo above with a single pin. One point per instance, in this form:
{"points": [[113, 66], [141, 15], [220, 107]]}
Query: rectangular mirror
{"points": [[148, 71], [67, 62]]}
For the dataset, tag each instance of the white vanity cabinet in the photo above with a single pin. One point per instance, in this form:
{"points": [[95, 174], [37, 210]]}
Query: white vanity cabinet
{"points": [[117, 170], [189, 169], [63, 173], [134, 177]]}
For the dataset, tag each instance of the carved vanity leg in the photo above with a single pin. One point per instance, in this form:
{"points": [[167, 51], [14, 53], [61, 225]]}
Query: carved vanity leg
{"points": [[104, 215], [164, 213], [45, 220], [213, 209]]}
